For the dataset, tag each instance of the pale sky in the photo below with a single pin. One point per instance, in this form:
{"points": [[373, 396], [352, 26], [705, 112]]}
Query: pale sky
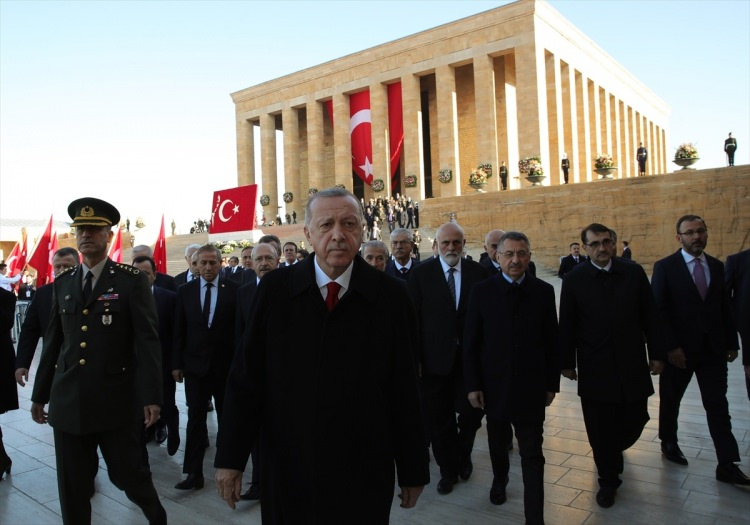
{"points": [[129, 100]]}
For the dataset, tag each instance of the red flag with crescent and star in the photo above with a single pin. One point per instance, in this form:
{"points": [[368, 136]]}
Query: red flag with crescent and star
{"points": [[233, 209], [39, 260], [115, 249], [360, 129], [16, 261], [160, 249]]}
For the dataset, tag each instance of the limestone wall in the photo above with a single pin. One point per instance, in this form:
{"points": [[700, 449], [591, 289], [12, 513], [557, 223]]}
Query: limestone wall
{"points": [[642, 210]]}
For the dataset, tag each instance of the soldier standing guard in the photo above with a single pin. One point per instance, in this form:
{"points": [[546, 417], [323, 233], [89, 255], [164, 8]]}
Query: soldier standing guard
{"points": [[100, 370]]}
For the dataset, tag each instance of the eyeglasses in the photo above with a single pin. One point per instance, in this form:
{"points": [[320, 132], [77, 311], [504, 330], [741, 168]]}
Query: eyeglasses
{"points": [[690, 233], [522, 254], [596, 244]]}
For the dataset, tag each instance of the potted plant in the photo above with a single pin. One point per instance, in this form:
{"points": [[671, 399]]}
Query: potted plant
{"points": [[686, 155], [532, 168], [604, 165], [478, 179]]}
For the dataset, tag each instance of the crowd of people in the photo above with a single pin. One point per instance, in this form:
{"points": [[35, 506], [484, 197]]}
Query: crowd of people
{"points": [[464, 342]]}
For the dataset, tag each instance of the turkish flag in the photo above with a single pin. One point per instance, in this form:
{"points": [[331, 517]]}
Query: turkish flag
{"points": [[160, 250], [395, 127], [115, 249], [52, 249], [39, 260], [360, 129], [17, 258], [234, 209]]}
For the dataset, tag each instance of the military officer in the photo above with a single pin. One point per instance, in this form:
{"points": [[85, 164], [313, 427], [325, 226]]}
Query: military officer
{"points": [[100, 370]]}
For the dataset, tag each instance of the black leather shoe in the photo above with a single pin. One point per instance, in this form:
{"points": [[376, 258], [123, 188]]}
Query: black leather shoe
{"points": [[253, 493], [606, 497], [192, 482], [497, 493], [173, 442], [672, 452], [731, 473], [445, 485], [160, 436], [466, 468]]}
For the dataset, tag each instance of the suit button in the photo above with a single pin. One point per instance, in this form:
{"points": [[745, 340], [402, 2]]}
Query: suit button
{"points": [[85, 311], [83, 345], [123, 368], [84, 328], [82, 362]]}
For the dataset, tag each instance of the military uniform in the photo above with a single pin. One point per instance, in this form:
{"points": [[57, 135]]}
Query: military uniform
{"points": [[100, 365]]}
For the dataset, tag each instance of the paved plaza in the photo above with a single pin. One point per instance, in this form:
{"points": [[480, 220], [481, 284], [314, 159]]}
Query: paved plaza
{"points": [[654, 491]]}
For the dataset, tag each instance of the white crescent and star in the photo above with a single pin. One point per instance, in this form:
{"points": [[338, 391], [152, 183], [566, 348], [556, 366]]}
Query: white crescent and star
{"points": [[235, 210], [362, 116]]}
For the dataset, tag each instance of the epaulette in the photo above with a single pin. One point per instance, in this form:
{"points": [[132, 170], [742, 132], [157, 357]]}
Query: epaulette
{"points": [[127, 268], [66, 270]]}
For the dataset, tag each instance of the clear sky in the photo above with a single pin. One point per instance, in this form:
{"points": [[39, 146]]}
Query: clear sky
{"points": [[129, 100]]}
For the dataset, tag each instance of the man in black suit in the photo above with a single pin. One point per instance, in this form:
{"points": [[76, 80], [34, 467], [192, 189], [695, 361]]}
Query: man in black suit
{"points": [[402, 262], [203, 348], [626, 253], [730, 146], [512, 366], [290, 254], [168, 426], [100, 370], [188, 275], [340, 411], [570, 261], [700, 339], [607, 313], [163, 280], [375, 253], [737, 279], [641, 157], [440, 290], [37, 315], [233, 271], [491, 263]]}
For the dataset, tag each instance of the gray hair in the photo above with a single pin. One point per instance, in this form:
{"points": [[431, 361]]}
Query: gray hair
{"points": [[450, 225], [400, 231], [191, 247], [333, 192], [267, 245], [513, 236], [380, 245]]}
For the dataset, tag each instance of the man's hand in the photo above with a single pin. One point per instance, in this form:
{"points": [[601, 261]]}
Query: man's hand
{"points": [[550, 398], [570, 373], [476, 399], [38, 413], [229, 485], [151, 414], [21, 374], [732, 355], [177, 375], [656, 367], [409, 496], [677, 358]]}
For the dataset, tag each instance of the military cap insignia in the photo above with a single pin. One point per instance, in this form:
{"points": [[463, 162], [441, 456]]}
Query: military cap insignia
{"points": [[87, 211]]}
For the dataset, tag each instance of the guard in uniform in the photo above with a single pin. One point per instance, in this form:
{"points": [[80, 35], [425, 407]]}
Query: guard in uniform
{"points": [[100, 370]]}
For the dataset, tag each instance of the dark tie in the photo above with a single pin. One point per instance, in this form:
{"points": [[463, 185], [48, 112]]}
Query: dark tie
{"points": [[576, 258], [404, 270], [452, 285], [699, 276], [87, 286], [332, 299], [207, 303]]}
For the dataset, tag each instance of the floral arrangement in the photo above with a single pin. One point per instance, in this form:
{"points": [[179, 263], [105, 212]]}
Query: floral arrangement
{"points": [[686, 151], [410, 181], [341, 186], [225, 247], [478, 176], [139, 222], [312, 191], [531, 166], [265, 200], [288, 197], [378, 185], [603, 161], [487, 167], [245, 243], [445, 176]]}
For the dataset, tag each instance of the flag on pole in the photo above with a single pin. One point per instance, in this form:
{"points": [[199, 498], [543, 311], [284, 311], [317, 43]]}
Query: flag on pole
{"points": [[52, 249], [233, 210], [360, 129], [395, 127], [39, 260], [160, 250], [115, 249], [16, 261]]}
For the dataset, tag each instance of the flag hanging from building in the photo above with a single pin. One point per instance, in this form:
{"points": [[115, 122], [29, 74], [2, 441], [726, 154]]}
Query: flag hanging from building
{"points": [[233, 209], [395, 128], [160, 250], [16, 261], [115, 249], [360, 129], [39, 260]]}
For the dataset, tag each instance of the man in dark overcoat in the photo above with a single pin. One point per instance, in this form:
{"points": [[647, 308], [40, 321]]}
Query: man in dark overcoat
{"points": [[339, 412]]}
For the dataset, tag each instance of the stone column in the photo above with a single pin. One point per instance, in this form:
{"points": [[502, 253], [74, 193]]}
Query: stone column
{"points": [[556, 115], [447, 124], [268, 163], [570, 119], [585, 155], [595, 119], [511, 120], [606, 123], [342, 141], [380, 143], [412, 152], [614, 109], [486, 116], [245, 152], [315, 153], [290, 125], [533, 135]]}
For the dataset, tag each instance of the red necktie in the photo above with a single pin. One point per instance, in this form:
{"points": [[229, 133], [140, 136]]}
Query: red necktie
{"points": [[332, 299]]}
